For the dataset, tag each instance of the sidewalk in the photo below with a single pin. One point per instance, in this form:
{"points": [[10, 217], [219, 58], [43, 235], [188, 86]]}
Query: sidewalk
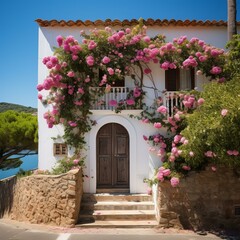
{"points": [[10, 229]]}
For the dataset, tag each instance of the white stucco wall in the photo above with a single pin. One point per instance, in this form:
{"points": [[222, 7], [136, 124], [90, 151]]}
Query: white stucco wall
{"points": [[142, 163]]}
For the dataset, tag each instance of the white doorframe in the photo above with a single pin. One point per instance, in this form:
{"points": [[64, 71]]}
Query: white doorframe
{"points": [[132, 149]]}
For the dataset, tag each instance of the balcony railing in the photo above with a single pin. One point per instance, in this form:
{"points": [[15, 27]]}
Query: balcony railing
{"points": [[171, 100], [108, 99]]}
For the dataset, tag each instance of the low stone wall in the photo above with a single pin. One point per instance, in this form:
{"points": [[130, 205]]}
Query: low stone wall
{"points": [[205, 200], [48, 199]]}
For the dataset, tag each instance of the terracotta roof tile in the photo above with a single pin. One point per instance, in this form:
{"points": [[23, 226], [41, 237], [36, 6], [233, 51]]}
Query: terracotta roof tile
{"points": [[132, 22]]}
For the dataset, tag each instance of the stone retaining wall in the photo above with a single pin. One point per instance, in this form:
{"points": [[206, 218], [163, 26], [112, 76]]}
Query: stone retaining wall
{"points": [[204, 200], [48, 199]]}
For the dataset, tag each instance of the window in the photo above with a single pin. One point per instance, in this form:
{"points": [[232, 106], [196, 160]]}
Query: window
{"points": [[59, 149], [179, 79], [176, 80]]}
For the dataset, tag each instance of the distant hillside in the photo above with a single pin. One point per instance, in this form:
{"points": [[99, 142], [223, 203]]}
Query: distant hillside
{"points": [[16, 107]]}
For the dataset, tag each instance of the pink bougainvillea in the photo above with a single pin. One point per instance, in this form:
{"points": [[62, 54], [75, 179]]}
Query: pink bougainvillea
{"points": [[73, 71]]}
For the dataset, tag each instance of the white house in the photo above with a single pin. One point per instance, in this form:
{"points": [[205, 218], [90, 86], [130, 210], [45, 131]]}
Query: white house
{"points": [[117, 134]]}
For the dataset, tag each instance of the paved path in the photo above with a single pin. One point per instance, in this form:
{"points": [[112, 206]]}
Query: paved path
{"points": [[12, 230]]}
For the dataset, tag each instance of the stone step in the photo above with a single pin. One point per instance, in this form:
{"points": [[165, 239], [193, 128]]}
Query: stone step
{"points": [[119, 224], [90, 216], [122, 205], [117, 210], [88, 197]]}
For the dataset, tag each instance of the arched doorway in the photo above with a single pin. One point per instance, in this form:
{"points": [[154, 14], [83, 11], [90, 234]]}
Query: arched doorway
{"points": [[112, 157]]}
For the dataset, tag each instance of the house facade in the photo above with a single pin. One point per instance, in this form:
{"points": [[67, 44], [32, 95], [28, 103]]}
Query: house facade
{"points": [[116, 156]]}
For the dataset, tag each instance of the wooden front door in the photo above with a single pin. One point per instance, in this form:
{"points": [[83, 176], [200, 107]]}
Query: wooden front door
{"points": [[112, 157]]}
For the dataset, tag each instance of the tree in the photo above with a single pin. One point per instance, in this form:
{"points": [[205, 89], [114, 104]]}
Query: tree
{"points": [[232, 27], [18, 138]]}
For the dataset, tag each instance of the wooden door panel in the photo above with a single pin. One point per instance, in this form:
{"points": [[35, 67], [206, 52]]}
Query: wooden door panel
{"points": [[121, 178], [105, 173], [104, 146], [121, 146]]}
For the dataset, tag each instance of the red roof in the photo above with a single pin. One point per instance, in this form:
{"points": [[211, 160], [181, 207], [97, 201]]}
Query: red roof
{"points": [[133, 22]]}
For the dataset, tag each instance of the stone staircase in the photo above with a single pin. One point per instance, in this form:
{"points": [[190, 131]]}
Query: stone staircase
{"points": [[117, 211]]}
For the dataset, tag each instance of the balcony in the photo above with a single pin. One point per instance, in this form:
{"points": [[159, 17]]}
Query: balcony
{"points": [[114, 98], [118, 95], [172, 100]]}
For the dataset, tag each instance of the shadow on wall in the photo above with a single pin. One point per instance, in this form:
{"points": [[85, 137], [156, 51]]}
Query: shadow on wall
{"points": [[6, 195]]}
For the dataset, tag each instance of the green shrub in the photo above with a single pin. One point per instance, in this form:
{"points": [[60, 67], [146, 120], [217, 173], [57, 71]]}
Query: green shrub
{"points": [[213, 130]]}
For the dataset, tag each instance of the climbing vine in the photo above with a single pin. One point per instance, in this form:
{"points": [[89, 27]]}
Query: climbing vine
{"points": [[105, 57]]}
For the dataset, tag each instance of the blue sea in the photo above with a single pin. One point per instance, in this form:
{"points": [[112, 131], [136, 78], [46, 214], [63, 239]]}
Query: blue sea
{"points": [[29, 163]]}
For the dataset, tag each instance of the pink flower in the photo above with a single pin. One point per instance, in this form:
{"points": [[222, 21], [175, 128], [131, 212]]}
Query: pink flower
{"points": [[230, 152], [190, 62], [110, 71], [80, 90], [146, 39], [224, 112], [235, 152], [106, 60], [91, 45], [70, 74], [200, 101], [90, 60], [216, 70], [157, 125], [40, 96], [210, 154], [177, 138], [87, 79], [74, 57], [40, 87], [130, 102], [112, 103], [78, 103], [166, 172], [75, 161], [136, 93], [145, 137], [185, 167], [172, 158], [160, 176], [59, 40], [214, 169], [165, 65], [162, 109], [72, 124], [145, 120], [174, 181], [147, 70]]}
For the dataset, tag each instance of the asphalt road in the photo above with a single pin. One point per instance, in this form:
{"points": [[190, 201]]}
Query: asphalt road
{"points": [[9, 231]]}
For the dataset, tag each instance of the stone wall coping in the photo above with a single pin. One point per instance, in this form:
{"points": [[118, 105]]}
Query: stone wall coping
{"points": [[73, 171]]}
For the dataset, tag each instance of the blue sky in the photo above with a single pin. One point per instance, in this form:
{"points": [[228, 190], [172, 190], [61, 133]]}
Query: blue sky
{"points": [[19, 31]]}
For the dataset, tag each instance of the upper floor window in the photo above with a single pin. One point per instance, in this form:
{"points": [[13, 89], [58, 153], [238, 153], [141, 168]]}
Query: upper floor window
{"points": [[179, 79]]}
